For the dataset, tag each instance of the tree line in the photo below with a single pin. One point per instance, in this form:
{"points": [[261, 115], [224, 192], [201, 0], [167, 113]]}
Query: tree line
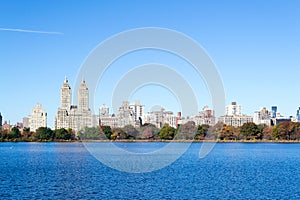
{"points": [[42, 134], [289, 131]]}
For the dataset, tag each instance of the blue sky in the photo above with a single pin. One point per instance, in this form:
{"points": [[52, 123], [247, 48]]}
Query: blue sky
{"points": [[254, 44]]}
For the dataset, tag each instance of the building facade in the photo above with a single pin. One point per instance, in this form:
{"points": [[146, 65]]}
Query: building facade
{"points": [[234, 116], [206, 116], [75, 117], [262, 117], [37, 118]]}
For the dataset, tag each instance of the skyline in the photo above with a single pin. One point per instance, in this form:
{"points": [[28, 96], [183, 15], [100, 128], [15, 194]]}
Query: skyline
{"points": [[255, 46], [238, 111]]}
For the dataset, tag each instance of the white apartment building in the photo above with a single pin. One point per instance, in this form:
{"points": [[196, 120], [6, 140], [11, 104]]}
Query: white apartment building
{"points": [[234, 109], [38, 118], [234, 117]]}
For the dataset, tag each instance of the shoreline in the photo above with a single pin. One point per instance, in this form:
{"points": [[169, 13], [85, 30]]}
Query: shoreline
{"points": [[163, 141]]}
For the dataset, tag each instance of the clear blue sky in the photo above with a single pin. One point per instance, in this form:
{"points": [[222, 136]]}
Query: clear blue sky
{"points": [[254, 44]]}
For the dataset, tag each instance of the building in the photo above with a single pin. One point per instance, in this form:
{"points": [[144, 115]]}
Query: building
{"points": [[26, 122], [104, 111], [6, 126], [160, 116], [298, 115], [234, 116], [206, 116], [234, 109], [262, 117], [138, 112], [37, 118], [126, 115], [274, 112], [235, 121], [75, 117], [111, 121]]}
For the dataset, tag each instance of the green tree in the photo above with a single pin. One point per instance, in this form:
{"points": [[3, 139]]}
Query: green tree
{"points": [[44, 133], [202, 132], [14, 133], [251, 131], [62, 134], [107, 131], [93, 133], [167, 132]]}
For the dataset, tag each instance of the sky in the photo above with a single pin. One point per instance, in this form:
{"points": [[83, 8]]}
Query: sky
{"points": [[255, 46]]}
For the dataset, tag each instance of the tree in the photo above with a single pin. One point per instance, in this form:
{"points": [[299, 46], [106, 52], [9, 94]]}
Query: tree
{"points": [[227, 133], [167, 132], [44, 133], [286, 131], [14, 133], [130, 131], [93, 133], [202, 132], [187, 131], [267, 132], [62, 134], [251, 131], [107, 131], [215, 131], [148, 131], [120, 134], [282, 131]]}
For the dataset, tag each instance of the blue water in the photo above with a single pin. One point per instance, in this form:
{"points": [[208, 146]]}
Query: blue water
{"points": [[230, 171]]}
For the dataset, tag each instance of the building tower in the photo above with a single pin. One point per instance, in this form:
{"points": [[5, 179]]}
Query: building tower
{"points": [[233, 109], [83, 97], [65, 95], [38, 118], [274, 111], [298, 115]]}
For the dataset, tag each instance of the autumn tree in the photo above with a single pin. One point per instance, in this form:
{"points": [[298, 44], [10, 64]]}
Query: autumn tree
{"points": [[167, 132], [187, 131], [202, 131]]}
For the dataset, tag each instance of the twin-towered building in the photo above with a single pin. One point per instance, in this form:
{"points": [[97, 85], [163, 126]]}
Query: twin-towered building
{"points": [[71, 116]]}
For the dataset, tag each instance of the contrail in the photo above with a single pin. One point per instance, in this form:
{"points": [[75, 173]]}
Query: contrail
{"points": [[29, 31]]}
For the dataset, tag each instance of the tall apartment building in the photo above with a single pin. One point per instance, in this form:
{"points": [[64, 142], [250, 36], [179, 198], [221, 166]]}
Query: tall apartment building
{"points": [[138, 112], [37, 118], [75, 117], [234, 116]]}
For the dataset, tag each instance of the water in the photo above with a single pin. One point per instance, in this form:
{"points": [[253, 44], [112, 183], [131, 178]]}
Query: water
{"points": [[230, 171]]}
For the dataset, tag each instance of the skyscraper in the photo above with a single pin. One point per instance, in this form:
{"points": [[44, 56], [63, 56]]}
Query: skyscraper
{"points": [[83, 97], [65, 95], [73, 116], [274, 111]]}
